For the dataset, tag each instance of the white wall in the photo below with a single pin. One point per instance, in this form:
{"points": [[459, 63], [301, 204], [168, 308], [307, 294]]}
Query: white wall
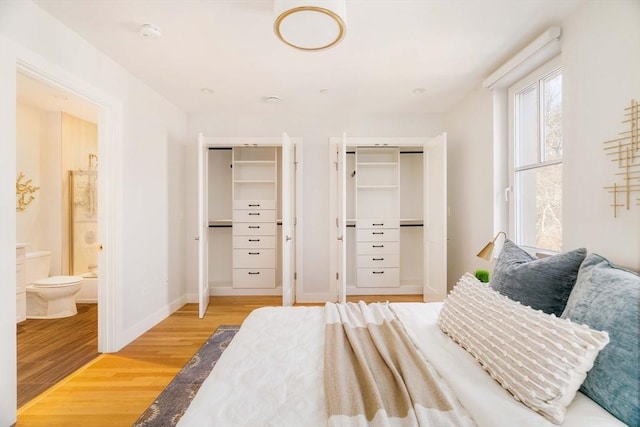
{"points": [[601, 74], [152, 134], [470, 182], [315, 131]]}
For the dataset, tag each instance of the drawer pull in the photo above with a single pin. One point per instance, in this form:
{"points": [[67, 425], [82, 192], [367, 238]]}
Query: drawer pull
{"points": [[254, 206], [378, 259], [254, 213], [377, 246], [378, 225], [254, 226], [378, 272], [254, 272], [378, 232], [254, 240], [254, 253]]}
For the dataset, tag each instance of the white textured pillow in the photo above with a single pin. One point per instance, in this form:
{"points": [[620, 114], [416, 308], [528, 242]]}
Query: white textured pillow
{"points": [[540, 359]]}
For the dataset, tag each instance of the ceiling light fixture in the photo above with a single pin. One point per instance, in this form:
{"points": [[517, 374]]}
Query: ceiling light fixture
{"points": [[207, 91], [419, 90], [310, 25], [150, 31]]}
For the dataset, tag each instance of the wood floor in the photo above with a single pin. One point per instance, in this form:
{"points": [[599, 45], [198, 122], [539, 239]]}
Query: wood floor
{"points": [[114, 389], [49, 350]]}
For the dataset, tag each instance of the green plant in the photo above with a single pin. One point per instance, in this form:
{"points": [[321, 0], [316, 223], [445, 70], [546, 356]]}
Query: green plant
{"points": [[482, 275]]}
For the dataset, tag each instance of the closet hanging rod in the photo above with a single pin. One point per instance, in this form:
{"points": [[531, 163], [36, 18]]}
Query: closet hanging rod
{"points": [[401, 152], [220, 148]]}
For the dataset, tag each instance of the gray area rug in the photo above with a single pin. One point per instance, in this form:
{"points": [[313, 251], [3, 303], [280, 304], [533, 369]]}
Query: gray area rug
{"points": [[174, 400]]}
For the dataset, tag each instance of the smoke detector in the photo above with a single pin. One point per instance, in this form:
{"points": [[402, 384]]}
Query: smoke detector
{"points": [[150, 31]]}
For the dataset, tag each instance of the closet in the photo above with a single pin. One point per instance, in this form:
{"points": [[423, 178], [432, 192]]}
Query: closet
{"points": [[389, 216], [248, 201]]}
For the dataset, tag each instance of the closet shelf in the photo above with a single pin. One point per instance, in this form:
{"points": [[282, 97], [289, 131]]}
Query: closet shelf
{"points": [[382, 187], [254, 162]]}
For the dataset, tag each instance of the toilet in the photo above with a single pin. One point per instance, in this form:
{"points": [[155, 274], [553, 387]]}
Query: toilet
{"points": [[49, 297]]}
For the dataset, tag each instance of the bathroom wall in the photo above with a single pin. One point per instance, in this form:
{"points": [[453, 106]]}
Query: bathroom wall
{"points": [[49, 144]]}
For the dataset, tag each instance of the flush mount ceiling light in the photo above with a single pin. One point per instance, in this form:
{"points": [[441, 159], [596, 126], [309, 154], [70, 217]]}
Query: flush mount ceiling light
{"points": [[310, 25], [150, 31], [419, 90], [207, 91]]}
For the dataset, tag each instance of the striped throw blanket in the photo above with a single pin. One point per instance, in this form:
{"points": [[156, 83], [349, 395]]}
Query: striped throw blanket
{"points": [[375, 375]]}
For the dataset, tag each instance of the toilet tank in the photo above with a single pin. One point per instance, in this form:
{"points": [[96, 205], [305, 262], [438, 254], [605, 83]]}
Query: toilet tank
{"points": [[37, 265]]}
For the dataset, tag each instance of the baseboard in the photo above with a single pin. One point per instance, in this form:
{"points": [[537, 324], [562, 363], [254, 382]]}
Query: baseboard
{"points": [[87, 301], [149, 322]]}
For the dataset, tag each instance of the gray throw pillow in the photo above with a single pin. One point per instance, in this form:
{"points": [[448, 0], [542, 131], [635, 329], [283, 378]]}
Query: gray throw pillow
{"points": [[543, 284], [607, 298]]}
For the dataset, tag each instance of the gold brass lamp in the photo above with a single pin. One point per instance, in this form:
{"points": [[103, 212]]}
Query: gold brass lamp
{"points": [[487, 251]]}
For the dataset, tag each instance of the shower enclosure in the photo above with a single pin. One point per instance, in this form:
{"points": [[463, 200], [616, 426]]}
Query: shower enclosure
{"points": [[83, 223]]}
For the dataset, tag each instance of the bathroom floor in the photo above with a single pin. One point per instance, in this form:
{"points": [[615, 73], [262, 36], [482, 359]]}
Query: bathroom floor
{"points": [[49, 350]]}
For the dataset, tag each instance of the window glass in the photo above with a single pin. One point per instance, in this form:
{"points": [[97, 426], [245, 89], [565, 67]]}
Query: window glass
{"points": [[552, 117], [536, 168], [539, 207], [527, 126]]}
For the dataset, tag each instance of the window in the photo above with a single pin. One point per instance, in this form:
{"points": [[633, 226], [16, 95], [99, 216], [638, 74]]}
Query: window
{"points": [[536, 159]]}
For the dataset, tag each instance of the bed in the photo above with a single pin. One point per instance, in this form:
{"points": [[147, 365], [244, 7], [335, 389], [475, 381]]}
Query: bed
{"points": [[272, 374]]}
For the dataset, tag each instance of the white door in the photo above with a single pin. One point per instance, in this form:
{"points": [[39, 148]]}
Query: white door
{"points": [[341, 220], [203, 226], [288, 217], [435, 219]]}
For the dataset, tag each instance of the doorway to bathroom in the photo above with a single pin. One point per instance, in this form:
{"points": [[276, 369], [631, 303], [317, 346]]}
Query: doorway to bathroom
{"points": [[56, 221]]}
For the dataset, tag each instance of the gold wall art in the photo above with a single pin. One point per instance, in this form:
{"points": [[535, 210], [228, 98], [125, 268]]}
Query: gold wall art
{"points": [[625, 152], [24, 193]]}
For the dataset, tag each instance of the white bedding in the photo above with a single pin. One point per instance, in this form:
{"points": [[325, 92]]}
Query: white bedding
{"points": [[272, 375]]}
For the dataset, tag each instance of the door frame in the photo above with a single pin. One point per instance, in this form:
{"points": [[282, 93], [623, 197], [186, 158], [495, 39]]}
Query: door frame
{"points": [[110, 148], [206, 141], [17, 59], [335, 223]]}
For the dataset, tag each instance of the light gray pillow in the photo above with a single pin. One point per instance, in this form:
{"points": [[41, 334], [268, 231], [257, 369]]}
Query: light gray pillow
{"points": [[607, 298], [543, 284], [539, 358]]}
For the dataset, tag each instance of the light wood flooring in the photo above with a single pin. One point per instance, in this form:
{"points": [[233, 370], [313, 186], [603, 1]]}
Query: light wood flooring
{"points": [[114, 389]]}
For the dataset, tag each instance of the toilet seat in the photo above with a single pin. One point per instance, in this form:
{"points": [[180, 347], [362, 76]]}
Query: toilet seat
{"points": [[58, 281]]}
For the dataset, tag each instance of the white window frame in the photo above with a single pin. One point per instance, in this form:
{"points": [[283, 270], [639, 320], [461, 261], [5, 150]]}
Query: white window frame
{"points": [[546, 70]]}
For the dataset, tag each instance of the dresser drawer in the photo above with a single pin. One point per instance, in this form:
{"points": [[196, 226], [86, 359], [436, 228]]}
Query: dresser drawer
{"points": [[254, 215], [382, 235], [21, 278], [254, 229], [377, 223], [254, 258], [254, 278], [378, 248], [374, 261], [254, 204], [254, 242], [378, 277]]}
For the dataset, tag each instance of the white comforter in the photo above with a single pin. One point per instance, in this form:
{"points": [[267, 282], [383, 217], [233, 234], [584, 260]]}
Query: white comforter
{"points": [[272, 375]]}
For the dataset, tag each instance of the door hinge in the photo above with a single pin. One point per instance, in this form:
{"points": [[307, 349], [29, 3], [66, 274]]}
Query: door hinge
{"points": [[337, 223], [336, 163], [337, 276], [295, 276]]}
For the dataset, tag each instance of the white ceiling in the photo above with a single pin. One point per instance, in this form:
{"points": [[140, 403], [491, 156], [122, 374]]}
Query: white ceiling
{"points": [[391, 48]]}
